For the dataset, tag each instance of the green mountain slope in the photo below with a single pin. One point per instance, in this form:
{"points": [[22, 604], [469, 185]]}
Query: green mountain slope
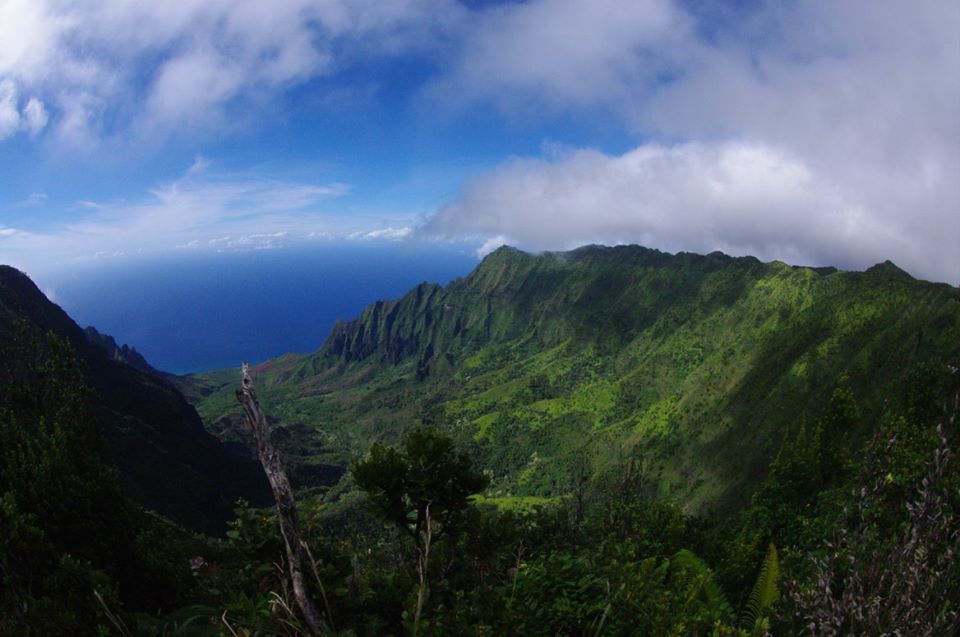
{"points": [[552, 368], [166, 461]]}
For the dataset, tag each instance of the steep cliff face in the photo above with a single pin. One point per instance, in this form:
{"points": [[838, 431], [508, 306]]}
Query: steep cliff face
{"points": [[391, 330], [610, 296], [430, 324], [596, 294], [167, 461]]}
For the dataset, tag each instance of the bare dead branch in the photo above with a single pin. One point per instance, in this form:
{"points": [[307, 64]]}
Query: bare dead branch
{"points": [[283, 495]]}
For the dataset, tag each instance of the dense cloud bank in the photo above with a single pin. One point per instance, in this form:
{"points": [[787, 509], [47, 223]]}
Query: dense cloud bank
{"points": [[823, 133]]}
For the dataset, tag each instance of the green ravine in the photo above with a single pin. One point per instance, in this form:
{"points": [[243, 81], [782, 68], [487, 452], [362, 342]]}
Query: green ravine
{"points": [[549, 369]]}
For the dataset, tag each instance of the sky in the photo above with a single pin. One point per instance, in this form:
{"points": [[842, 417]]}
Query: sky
{"points": [[817, 133]]}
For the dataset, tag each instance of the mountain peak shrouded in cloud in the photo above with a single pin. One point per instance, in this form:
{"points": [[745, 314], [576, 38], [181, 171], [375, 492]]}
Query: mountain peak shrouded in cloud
{"points": [[745, 199], [815, 132]]}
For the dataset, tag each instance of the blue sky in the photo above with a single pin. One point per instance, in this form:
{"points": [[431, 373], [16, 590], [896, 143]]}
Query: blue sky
{"points": [[811, 132]]}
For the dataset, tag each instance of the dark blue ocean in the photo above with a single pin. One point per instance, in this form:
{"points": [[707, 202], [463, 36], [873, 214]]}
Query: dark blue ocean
{"points": [[197, 312]]}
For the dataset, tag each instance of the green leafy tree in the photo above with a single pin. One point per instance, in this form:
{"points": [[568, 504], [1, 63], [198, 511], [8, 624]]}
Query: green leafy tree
{"points": [[423, 490], [427, 476]]}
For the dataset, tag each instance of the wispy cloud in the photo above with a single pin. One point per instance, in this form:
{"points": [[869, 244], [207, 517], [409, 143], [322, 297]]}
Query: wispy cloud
{"points": [[17, 114], [256, 241], [492, 244], [201, 210], [32, 200], [391, 234]]}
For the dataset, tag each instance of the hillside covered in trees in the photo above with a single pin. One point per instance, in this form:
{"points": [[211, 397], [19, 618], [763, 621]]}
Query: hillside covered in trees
{"points": [[554, 367], [609, 441]]}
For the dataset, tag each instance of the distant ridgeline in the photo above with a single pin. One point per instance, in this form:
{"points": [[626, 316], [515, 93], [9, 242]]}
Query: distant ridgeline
{"points": [[121, 353], [551, 369], [166, 461]]}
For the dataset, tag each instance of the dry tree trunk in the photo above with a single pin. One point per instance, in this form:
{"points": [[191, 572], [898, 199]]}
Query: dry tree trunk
{"points": [[423, 564], [283, 495]]}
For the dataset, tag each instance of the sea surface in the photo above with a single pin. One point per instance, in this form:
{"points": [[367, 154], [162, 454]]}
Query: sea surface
{"points": [[197, 312]]}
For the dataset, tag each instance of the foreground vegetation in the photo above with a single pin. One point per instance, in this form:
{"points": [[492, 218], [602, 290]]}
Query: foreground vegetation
{"points": [[604, 442], [832, 543], [828, 545]]}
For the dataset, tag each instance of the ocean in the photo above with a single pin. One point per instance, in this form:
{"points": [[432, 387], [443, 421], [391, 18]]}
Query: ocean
{"points": [[193, 312]]}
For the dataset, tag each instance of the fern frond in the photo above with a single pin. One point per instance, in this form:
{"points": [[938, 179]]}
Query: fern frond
{"points": [[712, 594], [765, 591]]}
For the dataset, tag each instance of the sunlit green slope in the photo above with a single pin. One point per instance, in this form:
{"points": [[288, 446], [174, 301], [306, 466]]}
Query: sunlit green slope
{"points": [[552, 367]]}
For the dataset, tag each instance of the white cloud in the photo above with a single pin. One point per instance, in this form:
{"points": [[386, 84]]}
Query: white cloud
{"points": [[31, 118], [564, 53], [825, 132], [29, 30], [34, 116], [159, 68], [256, 241], [203, 210], [9, 115], [739, 198], [821, 131], [200, 165], [492, 244], [391, 234], [32, 200], [195, 211], [191, 89]]}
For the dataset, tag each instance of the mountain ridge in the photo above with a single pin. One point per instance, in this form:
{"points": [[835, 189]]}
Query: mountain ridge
{"points": [[352, 339], [540, 362], [122, 353]]}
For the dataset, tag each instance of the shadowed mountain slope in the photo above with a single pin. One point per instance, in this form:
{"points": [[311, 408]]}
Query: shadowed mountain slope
{"points": [[166, 460], [122, 353]]}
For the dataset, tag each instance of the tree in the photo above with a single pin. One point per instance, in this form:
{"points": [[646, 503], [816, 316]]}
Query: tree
{"points": [[422, 489], [427, 477]]}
